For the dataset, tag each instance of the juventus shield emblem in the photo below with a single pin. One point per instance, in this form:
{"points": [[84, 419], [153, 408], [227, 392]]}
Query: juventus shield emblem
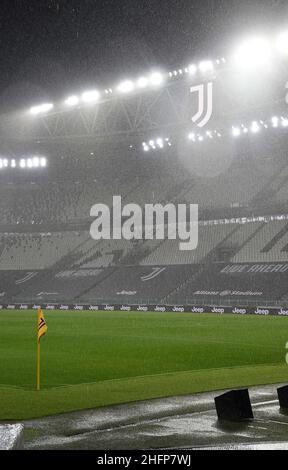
{"points": [[205, 103]]}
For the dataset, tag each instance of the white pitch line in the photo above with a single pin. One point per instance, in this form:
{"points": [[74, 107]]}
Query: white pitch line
{"points": [[272, 402], [278, 422], [257, 427]]}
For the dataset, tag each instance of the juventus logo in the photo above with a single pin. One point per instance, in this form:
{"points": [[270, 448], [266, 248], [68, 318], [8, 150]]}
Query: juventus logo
{"points": [[205, 99]]}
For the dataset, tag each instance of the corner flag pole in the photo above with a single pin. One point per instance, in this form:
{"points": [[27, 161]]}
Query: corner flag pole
{"points": [[42, 330], [38, 365]]}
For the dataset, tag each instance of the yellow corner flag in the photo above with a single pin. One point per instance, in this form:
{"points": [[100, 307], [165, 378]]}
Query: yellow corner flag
{"points": [[42, 330], [42, 326]]}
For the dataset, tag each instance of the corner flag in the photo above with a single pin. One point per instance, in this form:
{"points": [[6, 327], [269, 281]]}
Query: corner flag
{"points": [[42, 326], [42, 330]]}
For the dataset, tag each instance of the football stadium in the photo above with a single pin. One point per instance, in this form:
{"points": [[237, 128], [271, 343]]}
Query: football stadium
{"points": [[138, 338]]}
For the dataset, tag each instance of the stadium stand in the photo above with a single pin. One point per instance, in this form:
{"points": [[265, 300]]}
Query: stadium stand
{"points": [[37, 251], [57, 287], [137, 284], [47, 254], [169, 252], [234, 284], [268, 245], [236, 188]]}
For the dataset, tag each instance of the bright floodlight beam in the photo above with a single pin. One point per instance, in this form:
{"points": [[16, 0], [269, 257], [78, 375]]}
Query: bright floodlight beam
{"points": [[255, 128], [160, 143], [192, 69], [253, 53], [142, 82], [206, 66], [91, 96], [156, 79], [72, 101], [275, 121], [41, 109], [36, 162], [282, 43], [236, 131], [126, 87]]}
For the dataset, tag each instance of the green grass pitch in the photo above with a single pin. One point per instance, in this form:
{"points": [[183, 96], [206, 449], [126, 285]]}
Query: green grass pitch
{"points": [[94, 359]]}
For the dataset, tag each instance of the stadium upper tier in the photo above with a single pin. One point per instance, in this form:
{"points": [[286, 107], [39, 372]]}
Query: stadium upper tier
{"points": [[245, 178]]}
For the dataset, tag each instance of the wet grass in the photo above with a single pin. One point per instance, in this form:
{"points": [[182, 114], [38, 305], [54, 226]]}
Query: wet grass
{"points": [[94, 359]]}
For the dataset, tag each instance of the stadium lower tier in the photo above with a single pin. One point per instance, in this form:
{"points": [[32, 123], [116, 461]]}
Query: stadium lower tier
{"points": [[204, 284]]}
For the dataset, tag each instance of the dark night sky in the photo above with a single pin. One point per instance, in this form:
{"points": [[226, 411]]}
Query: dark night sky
{"points": [[53, 47]]}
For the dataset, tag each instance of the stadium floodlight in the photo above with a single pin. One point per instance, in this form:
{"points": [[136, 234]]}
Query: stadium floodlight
{"points": [[142, 82], [156, 79], [36, 162], [255, 127], [192, 69], [146, 148], [29, 163], [90, 96], [126, 87], [22, 163], [41, 109], [206, 66], [285, 122], [236, 131], [5, 163], [43, 162], [253, 53], [200, 138], [282, 43], [275, 121], [160, 143], [191, 136], [72, 100], [13, 163]]}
